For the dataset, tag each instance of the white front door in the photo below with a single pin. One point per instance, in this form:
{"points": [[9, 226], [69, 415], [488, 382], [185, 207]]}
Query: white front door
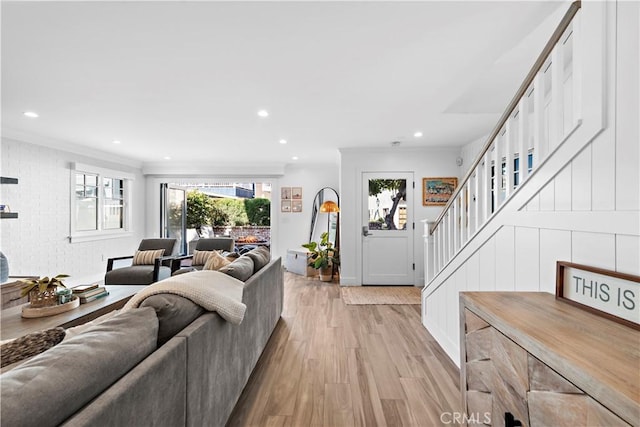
{"points": [[387, 228]]}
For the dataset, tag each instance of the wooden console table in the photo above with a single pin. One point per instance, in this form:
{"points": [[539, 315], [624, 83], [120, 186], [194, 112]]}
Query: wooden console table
{"points": [[14, 325], [546, 362]]}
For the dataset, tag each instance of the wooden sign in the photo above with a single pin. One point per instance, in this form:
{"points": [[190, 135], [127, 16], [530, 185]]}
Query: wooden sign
{"points": [[607, 293]]}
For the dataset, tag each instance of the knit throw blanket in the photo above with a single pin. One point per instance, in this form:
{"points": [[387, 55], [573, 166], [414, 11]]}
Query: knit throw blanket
{"points": [[213, 290]]}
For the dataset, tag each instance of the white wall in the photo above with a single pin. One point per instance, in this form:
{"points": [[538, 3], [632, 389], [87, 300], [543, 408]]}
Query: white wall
{"points": [[582, 205], [293, 228], [422, 162], [37, 243], [468, 153]]}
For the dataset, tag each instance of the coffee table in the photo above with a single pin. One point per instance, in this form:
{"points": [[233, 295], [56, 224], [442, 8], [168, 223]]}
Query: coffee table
{"points": [[13, 325]]}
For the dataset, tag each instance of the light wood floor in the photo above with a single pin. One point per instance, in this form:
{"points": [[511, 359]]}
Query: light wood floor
{"points": [[331, 364]]}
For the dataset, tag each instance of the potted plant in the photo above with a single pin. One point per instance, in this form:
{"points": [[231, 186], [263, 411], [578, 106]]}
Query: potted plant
{"points": [[323, 257], [43, 291]]}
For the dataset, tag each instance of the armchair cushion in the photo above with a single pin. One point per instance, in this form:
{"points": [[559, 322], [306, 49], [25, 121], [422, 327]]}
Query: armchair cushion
{"points": [[135, 275], [200, 257], [147, 257]]}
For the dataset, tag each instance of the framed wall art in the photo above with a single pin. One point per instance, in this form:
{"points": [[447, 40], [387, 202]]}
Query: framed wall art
{"points": [[296, 193], [285, 193], [285, 206], [437, 191]]}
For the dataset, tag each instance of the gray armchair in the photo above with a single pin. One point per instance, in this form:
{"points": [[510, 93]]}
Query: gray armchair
{"points": [[184, 263], [145, 274]]}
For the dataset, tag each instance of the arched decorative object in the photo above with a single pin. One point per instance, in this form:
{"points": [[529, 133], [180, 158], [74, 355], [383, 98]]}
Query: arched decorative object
{"points": [[333, 221]]}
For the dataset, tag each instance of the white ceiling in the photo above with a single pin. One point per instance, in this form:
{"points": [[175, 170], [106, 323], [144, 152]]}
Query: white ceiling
{"points": [[186, 79]]}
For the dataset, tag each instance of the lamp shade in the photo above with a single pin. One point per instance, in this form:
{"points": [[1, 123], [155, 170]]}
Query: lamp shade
{"points": [[329, 206]]}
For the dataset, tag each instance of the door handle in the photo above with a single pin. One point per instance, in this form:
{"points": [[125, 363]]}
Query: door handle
{"points": [[365, 231]]}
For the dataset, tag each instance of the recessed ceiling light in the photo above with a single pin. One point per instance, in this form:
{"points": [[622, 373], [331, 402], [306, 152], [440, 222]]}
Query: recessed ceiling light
{"points": [[283, 141], [116, 142], [167, 158], [30, 114], [417, 134], [294, 158], [263, 113]]}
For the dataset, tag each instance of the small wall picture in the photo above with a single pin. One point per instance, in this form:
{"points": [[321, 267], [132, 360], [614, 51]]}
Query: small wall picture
{"points": [[296, 193], [285, 206], [285, 193], [296, 205], [437, 191]]}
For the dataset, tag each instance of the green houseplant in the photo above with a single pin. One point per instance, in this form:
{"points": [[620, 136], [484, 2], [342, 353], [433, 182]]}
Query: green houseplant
{"points": [[42, 291], [323, 256]]}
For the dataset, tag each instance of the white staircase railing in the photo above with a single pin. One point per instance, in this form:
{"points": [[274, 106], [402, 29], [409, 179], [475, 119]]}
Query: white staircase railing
{"points": [[545, 109]]}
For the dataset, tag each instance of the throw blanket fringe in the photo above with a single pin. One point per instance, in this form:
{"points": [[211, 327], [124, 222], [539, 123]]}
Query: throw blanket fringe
{"points": [[213, 290]]}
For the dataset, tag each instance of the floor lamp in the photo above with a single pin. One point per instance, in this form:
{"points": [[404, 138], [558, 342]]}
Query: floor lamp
{"points": [[330, 207]]}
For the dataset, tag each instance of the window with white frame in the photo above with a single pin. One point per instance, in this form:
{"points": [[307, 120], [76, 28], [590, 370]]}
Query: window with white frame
{"points": [[113, 209], [99, 200]]}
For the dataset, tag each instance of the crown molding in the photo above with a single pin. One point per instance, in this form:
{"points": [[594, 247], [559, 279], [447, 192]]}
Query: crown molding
{"points": [[45, 141]]}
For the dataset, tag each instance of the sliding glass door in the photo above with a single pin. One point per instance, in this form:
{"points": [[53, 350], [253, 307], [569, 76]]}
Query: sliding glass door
{"points": [[173, 215]]}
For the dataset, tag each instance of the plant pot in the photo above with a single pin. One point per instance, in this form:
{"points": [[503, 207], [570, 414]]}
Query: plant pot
{"points": [[325, 274], [43, 299]]}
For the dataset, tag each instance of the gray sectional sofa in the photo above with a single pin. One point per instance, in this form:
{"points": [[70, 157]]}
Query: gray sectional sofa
{"points": [[131, 370]]}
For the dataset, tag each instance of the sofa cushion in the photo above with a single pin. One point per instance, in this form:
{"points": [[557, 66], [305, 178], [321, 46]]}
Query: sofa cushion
{"points": [[260, 256], [147, 257], [30, 345], [216, 262], [174, 314], [241, 268], [69, 375]]}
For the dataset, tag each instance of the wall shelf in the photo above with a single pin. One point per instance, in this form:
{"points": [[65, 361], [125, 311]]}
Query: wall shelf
{"points": [[7, 180]]}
